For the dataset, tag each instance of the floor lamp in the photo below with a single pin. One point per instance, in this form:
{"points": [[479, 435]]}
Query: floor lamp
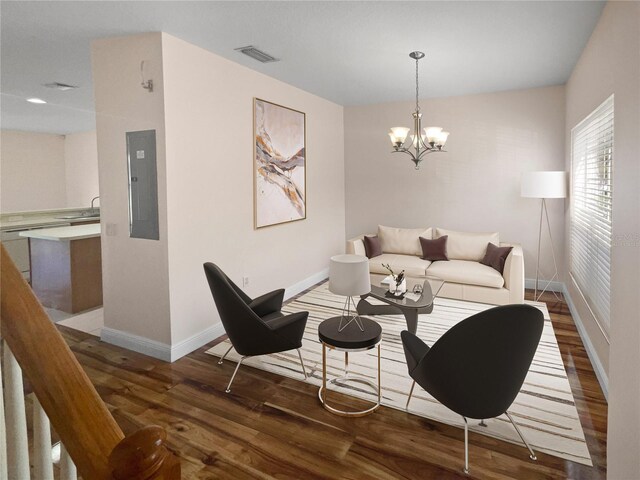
{"points": [[544, 185]]}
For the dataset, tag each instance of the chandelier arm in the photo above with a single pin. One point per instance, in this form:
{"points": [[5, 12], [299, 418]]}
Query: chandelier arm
{"points": [[404, 150], [424, 145]]}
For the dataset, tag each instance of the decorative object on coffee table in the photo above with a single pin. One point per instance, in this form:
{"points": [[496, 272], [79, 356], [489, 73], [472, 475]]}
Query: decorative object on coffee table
{"points": [[409, 306], [544, 185], [349, 339], [398, 283], [279, 164], [349, 276]]}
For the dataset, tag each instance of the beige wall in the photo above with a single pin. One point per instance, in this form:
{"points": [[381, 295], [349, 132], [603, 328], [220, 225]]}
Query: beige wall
{"points": [[32, 171], [475, 186], [209, 124], [41, 171], [81, 168], [135, 274], [610, 64], [157, 289]]}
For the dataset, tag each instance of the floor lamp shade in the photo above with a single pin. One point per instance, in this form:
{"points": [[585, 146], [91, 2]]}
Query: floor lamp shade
{"points": [[349, 275], [544, 185]]}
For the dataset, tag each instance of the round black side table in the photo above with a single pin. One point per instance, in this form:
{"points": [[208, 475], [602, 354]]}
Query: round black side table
{"points": [[350, 339]]}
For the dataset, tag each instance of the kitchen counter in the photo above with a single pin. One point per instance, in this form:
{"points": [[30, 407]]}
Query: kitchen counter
{"points": [[66, 266], [26, 220], [75, 232]]}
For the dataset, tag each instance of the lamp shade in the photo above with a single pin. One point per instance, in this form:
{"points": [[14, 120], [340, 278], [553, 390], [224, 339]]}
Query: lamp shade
{"points": [[349, 275], [544, 185]]}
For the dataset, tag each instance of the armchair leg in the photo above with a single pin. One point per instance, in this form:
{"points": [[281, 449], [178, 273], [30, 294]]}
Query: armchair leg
{"points": [[225, 354], [466, 446], [228, 390], [533, 455], [304, 371], [410, 393]]}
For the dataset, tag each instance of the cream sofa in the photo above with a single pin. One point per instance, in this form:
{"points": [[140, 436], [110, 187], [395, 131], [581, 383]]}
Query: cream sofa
{"points": [[465, 277]]}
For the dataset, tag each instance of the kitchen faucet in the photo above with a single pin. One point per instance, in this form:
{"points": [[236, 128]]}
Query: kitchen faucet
{"points": [[93, 200]]}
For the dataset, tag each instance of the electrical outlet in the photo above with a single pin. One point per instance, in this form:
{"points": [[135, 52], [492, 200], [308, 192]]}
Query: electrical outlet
{"points": [[245, 281], [111, 229]]}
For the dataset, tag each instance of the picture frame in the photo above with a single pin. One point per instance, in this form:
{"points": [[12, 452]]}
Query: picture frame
{"points": [[279, 164]]}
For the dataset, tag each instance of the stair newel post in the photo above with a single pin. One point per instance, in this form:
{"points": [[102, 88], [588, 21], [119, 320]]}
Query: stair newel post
{"points": [[144, 456]]}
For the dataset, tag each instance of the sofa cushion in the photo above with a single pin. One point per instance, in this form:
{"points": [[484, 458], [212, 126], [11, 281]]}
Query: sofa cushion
{"points": [[496, 257], [467, 272], [413, 266], [372, 246], [466, 245], [402, 240], [434, 250]]}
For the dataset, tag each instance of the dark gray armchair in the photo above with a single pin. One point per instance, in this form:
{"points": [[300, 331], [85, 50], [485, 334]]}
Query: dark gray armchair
{"points": [[477, 367], [254, 326]]}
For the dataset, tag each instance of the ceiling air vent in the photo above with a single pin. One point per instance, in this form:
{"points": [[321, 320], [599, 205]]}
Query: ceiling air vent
{"points": [[256, 54], [60, 86]]}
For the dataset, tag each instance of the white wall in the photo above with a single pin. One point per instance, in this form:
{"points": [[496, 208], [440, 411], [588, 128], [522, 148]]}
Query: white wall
{"points": [[475, 186], [210, 149], [610, 64], [135, 274], [32, 171], [81, 168]]}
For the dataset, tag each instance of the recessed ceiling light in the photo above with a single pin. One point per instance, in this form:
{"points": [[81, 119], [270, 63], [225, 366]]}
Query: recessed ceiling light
{"points": [[35, 100]]}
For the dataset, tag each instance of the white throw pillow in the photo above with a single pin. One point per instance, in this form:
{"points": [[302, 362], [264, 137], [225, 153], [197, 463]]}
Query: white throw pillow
{"points": [[402, 240], [467, 245]]}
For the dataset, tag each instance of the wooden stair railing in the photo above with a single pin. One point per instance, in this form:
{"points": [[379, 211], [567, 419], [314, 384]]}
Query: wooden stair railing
{"points": [[85, 426]]}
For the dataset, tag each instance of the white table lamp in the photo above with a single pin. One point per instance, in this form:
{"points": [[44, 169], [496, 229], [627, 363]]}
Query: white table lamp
{"points": [[544, 185], [349, 276]]}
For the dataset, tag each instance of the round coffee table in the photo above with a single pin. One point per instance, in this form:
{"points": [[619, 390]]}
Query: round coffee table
{"points": [[349, 339]]}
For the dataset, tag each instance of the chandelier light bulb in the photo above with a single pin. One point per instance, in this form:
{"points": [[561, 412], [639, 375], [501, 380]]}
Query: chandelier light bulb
{"points": [[442, 138], [432, 133], [400, 133]]}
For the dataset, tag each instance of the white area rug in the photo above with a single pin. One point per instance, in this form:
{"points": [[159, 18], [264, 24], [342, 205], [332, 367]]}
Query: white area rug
{"points": [[544, 409]]}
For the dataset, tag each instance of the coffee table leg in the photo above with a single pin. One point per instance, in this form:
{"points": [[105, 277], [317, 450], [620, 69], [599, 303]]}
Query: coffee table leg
{"points": [[411, 316]]}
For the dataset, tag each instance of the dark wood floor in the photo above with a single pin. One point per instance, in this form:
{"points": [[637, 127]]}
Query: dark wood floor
{"points": [[274, 427]]}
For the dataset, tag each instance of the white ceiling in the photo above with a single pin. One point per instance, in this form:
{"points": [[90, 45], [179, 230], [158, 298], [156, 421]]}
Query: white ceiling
{"points": [[351, 53]]}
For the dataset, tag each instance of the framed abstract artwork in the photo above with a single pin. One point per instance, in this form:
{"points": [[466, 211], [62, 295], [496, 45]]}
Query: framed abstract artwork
{"points": [[280, 164]]}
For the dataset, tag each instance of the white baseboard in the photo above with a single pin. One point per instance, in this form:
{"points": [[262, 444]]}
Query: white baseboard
{"points": [[302, 285], [159, 350], [530, 283], [136, 343], [171, 353], [196, 341], [601, 375]]}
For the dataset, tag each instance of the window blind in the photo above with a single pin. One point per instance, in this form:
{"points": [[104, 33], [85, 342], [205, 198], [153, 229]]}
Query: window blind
{"points": [[591, 201]]}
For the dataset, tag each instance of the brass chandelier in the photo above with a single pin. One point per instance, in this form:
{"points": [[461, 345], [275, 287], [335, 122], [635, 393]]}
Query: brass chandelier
{"points": [[431, 140]]}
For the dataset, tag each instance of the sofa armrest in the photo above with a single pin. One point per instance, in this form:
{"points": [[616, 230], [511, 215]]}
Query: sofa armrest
{"points": [[355, 246], [514, 273]]}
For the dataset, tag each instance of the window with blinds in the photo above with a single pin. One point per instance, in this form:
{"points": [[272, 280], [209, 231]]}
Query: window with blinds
{"points": [[591, 197]]}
